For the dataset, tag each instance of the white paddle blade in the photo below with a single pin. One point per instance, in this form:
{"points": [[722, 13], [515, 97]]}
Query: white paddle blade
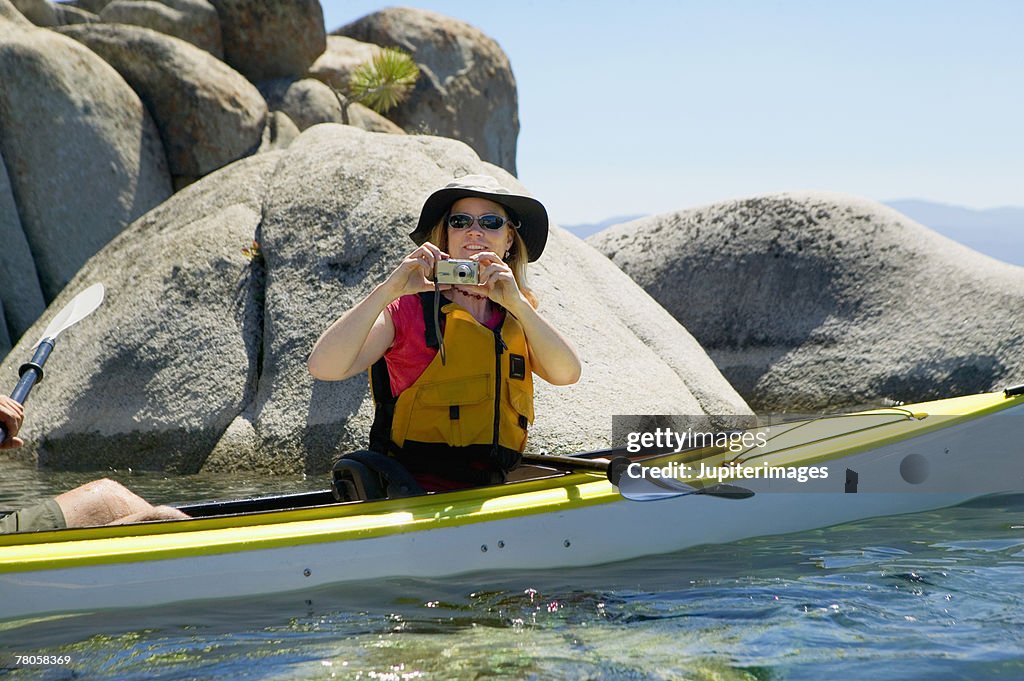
{"points": [[653, 489], [80, 307], [656, 489]]}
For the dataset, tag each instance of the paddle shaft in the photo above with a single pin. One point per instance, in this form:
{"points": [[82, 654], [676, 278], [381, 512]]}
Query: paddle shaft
{"points": [[616, 467], [80, 307], [31, 373], [613, 468], [600, 465]]}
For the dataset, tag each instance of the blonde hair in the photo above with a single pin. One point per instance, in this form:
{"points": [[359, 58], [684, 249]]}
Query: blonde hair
{"points": [[517, 253]]}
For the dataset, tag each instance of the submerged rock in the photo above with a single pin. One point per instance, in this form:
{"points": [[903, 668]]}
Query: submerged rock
{"points": [[821, 300], [198, 359]]}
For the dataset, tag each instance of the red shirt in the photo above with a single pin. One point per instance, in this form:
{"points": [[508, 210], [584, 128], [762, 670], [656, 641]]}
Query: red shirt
{"points": [[408, 357]]}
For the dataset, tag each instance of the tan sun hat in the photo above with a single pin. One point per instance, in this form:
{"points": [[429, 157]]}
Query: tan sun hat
{"points": [[532, 217]]}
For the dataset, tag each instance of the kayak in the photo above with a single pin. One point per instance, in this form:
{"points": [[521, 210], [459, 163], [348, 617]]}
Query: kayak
{"points": [[798, 476]]}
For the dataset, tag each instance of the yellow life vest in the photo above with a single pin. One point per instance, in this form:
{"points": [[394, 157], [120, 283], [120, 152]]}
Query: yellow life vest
{"points": [[479, 400]]}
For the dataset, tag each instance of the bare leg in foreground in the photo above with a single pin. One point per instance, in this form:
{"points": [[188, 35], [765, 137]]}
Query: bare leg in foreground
{"points": [[105, 502]]}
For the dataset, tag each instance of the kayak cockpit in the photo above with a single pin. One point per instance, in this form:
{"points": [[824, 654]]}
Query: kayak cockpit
{"points": [[325, 497]]}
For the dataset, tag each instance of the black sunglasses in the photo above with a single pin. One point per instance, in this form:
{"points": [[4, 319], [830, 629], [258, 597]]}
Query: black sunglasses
{"points": [[489, 221]]}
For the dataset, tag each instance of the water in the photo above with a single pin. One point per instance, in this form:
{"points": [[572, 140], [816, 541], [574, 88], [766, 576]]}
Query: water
{"points": [[937, 595]]}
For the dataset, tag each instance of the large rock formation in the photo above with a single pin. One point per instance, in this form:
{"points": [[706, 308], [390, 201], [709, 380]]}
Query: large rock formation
{"points": [[466, 89], [309, 101], [83, 156], [153, 378], [818, 300], [20, 295], [306, 101], [208, 114], [39, 12], [93, 6], [199, 350], [266, 39], [49, 14], [194, 21], [368, 119], [68, 15], [280, 132], [5, 337], [335, 66]]}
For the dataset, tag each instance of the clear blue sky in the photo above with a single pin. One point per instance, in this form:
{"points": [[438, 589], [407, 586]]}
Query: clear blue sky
{"points": [[642, 107]]}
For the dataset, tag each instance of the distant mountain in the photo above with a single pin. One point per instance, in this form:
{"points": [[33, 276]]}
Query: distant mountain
{"points": [[583, 231], [996, 232]]}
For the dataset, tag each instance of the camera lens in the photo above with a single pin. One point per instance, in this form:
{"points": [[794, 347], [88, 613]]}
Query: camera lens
{"points": [[462, 271]]}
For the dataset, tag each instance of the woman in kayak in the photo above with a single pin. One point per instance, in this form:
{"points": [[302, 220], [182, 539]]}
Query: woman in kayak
{"points": [[100, 502], [452, 376]]}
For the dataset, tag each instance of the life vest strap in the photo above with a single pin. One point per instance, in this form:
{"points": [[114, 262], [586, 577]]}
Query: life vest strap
{"points": [[384, 406], [427, 303]]}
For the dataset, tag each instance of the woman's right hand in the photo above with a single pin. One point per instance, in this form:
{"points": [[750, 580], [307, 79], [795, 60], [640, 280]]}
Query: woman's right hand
{"points": [[11, 416], [415, 273]]}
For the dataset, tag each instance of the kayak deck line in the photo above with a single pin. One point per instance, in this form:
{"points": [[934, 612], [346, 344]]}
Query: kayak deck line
{"points": [[347, 522], [331, 523], [296, 514], [901, 423], [890, 419], [917, 419]]}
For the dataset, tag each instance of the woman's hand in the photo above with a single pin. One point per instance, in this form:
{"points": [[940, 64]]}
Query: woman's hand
{"points": [[415, 273], [11, 415], [497, 282]]}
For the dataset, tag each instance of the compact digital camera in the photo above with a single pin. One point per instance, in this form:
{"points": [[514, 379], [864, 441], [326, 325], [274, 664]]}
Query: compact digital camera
{"points": [[454, 271]]}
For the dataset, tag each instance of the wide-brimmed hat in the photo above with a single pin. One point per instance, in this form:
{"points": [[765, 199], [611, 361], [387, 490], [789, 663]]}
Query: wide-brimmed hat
{"points": [[533, 218]]}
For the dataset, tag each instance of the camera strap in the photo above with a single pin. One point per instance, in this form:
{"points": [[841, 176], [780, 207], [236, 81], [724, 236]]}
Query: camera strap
{"points": [[437, 321]]}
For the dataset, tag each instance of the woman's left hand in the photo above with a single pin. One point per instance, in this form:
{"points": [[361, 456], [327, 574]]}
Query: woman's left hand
{"points": [[496, 281]]}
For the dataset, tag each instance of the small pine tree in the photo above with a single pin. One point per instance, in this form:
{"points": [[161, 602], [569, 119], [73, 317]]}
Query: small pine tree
{"points": [[381, 83]]}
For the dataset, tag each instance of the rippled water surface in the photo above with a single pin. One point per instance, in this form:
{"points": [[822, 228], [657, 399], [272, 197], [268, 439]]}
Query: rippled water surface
{"points": [[936, 595]]}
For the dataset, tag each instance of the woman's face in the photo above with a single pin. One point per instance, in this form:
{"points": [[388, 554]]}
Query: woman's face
{"points": [[462, 243]]}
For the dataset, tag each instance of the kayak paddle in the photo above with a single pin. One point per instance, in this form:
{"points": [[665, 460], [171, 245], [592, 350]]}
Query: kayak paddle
{"points": [[80, 307], [656, 489]]}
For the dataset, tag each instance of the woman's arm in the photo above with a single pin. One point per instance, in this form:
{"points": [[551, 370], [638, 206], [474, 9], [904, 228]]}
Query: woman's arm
{"points": [[354, 341], [362, 335], [552, 356]]}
